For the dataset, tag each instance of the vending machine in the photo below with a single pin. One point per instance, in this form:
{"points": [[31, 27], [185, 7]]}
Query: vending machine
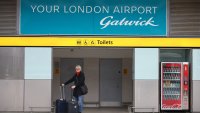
{"points": [[174, 86]]}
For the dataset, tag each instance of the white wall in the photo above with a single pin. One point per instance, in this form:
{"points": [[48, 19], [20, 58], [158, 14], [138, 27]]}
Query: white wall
{"points": [[196, 64], [146, 78], [37, 94], [55, 84], [12, 94], [196, 80], [38, 63], [196, 96], [127, 82], [146, 63], [146, 95], [38, 75]]}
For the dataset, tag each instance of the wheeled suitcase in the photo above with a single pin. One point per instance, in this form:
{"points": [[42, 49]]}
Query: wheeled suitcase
{"points": [[72, 105], [61, 104]]}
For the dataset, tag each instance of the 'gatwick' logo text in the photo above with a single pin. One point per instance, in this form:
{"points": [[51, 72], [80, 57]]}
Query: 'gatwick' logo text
{"points": [[110, 21]]}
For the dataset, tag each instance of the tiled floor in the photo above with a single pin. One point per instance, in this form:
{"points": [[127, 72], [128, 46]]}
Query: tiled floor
{"points": [[89, 110], [105, 110]]}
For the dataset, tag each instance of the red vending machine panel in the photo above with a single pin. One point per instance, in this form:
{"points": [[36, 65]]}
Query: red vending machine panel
{"points": [[171, 86], [185, 98]]}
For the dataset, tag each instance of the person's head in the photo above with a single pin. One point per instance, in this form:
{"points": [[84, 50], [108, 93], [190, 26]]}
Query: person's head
{"points": [[78, 68]]}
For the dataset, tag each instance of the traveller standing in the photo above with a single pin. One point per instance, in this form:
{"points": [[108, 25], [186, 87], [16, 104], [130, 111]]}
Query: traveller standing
{"points": [[79, 82]]}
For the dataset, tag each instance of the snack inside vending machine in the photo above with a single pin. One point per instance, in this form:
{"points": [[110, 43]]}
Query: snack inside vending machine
{"points": [[175, 86]]}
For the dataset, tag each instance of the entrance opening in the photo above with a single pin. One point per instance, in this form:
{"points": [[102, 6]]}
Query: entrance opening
{"points": [[108, 75]]}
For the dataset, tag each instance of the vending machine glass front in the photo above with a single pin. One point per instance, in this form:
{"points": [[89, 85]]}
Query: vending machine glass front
{"points": [[171, 88]]}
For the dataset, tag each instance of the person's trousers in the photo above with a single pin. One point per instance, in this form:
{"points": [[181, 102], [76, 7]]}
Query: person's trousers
{"points": [[80, 103]]}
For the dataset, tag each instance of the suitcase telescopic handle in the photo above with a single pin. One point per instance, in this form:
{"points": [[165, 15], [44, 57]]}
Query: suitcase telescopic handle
{"points": [[72, 97], [62, 92], [71, 93]]}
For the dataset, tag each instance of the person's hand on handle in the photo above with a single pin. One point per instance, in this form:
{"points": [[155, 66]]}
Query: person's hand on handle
{"points": [[73, 86]]}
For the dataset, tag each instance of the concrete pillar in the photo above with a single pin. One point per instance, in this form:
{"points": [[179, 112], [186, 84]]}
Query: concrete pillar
{"points": [[38, 75], [195, 80], [146, 78]]}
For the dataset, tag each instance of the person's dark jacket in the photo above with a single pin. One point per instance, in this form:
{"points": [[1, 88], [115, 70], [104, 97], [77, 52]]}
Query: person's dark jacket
{"points": [[78, 82]]}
